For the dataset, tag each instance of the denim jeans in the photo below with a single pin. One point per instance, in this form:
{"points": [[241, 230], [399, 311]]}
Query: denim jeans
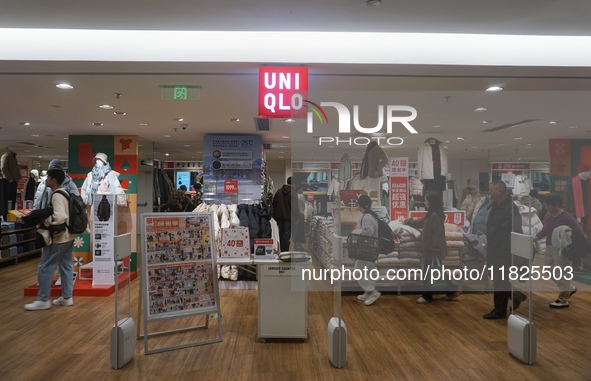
{"points": [[284, 234], [52, 256]]}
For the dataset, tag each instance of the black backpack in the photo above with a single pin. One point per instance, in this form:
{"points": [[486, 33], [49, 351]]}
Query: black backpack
{"points": [[76, 212], [386, 236]]}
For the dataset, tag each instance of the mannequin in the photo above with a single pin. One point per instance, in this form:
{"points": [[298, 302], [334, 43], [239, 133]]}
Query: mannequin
{"points": [[9, 179], [432, 165], [374, 161], [102, 180], [577, 201]]}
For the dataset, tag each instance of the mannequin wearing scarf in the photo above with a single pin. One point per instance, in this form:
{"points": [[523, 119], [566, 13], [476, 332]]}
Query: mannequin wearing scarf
{"points": [[102, 180]]}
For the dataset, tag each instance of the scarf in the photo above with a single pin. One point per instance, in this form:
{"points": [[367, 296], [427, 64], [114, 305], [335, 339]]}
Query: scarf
{"points": [[98, 173]]}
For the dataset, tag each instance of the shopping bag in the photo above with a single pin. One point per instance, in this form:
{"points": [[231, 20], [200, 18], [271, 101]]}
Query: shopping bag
{"points": [[235, 242], [438, 283]]}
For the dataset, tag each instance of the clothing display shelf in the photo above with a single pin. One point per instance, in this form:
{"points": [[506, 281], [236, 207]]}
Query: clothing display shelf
{"points": [[16, 244]]}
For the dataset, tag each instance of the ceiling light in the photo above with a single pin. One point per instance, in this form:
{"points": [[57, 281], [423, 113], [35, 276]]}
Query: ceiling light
{"points": [[120, 113], [487, 121], [234, 119], [285, 137], [143, 124], [444, 146], [97, 124], [447, 141], [289, 120], [24, 123], [66, 138], [573, 126], [554, 121], [460, 138], [474, 147], [65, 86], [436, 126], [167, 136], [282, 146], [517, 138], [178, 119], [373, 3], [186, 145], [494, 88], [478, 109], [35, 135], [106, 107], [166, 154]]}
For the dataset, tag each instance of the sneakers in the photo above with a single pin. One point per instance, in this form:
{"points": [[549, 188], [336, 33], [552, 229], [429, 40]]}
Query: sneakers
{"points": [[63, 302], [573, 291], [372, 297], [363, 297], [449, 297], [38, 305], [422, 300], [559, 303]]}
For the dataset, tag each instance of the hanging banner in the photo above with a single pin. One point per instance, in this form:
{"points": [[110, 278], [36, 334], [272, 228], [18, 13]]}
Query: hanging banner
{"points": [[104, 220], [398, 187]]}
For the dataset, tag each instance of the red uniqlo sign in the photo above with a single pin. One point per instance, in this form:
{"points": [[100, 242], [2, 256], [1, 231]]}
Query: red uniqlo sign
{"points": [[231, 186], [279, 88], [456, 217]]}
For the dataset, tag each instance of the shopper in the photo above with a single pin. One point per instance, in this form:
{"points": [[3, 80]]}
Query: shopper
{"points": [[503, 218], [555, 218], [282, 214], [369, 226], [10, 176], [43, 194], [299, 231], [432, 242], [58, 251]]}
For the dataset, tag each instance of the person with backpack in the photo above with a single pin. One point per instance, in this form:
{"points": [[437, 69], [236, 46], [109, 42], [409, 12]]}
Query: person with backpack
{"points": [[58, 251], [432, 242], [369, 226], [43, 194]]}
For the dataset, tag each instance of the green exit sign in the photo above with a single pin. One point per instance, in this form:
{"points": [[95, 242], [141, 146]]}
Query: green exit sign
{"points": [[180, 92]]}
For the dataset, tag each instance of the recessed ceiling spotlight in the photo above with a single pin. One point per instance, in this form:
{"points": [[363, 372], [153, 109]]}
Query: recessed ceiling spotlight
{"points": [[436, 126], [474, 147], [447, 141], [494, 88], [460, 138], [65, 86], [554, 121], [445, 147], [282, 146], [143, 124], [66, 138], [479, 109], [166, 154], [487, 121], [106, 107], [234, 119], [97, 124], [35, 135], [120, 113], [167, 136], [178, 119], [285, 137], [517, 138], [24, 123], [373, 3], [573, 126], [186, 145], [289, 120]]}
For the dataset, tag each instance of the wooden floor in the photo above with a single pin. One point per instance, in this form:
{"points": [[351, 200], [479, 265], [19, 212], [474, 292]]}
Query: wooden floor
{"points": [[395, 339]]}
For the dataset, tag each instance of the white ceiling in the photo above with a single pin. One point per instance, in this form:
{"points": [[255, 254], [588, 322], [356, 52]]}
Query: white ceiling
{"points": [[229, 89]]}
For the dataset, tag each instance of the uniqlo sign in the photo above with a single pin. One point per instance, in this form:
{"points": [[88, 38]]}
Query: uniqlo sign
{"points": [[278, 85]]}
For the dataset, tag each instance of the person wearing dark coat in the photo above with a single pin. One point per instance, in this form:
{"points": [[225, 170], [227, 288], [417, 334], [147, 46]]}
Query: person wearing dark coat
{"points": [[503, 218], [282, 214], [104, 209]]}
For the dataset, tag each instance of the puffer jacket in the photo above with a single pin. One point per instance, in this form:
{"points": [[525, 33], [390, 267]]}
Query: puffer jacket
{"points": [[531, 225], [243, 214]]}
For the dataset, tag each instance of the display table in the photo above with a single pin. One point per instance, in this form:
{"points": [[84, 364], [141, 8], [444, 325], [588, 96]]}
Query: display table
{"points": [[282, 297]]}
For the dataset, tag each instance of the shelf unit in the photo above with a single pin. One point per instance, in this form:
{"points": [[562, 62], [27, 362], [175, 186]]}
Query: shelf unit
{"points": [[29, 238]]}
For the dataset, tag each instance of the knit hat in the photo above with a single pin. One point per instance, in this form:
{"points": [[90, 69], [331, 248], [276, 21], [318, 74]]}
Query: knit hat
{"points": [[364, 201], [583, 167], [100, 156], [56, 164]]}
